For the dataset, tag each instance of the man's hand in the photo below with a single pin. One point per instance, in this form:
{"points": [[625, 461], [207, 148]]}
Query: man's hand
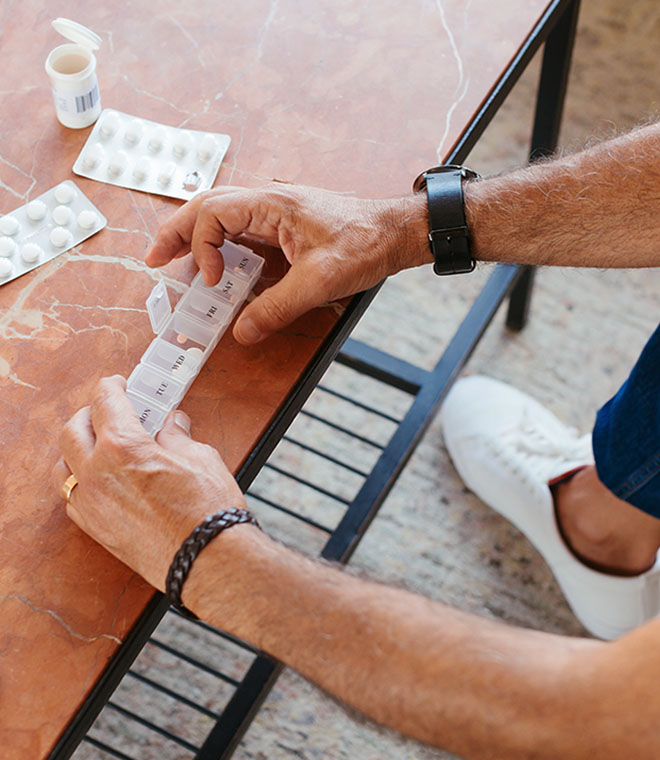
{"points": [[337, 245], [138, 497]]}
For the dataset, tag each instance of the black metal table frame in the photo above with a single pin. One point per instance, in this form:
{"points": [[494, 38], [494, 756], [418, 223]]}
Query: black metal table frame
{"points": [[556, 30]]}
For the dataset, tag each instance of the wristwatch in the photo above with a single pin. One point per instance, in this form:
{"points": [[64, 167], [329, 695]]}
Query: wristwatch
{"points": [[449, 236]]}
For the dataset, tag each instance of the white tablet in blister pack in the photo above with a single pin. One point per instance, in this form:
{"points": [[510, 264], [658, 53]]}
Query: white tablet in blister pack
{"points": [[144, 155], [44, 228], [186, 337]]}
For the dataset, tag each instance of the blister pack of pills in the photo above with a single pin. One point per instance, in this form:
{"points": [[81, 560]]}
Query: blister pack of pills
{"points": [[144, 155], [44, 228], [186, 336]]}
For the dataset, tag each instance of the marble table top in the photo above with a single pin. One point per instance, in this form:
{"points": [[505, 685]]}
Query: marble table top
{"points": [[355, 97]]}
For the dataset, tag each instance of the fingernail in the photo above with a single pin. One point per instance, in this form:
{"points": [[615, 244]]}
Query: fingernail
{"points": [[183, 421], [210, 278], [247, 331]]}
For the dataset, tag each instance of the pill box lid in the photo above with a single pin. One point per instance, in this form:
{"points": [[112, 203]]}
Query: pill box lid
{"points": [[158, 307], [78, 33]]}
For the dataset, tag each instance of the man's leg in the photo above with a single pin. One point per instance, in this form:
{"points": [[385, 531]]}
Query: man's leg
{"points": [[604, 531], [609, 513], [593, 523]]}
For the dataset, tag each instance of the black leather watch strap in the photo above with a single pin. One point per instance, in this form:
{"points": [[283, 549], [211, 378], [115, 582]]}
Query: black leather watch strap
{"points": [[449, 237]]}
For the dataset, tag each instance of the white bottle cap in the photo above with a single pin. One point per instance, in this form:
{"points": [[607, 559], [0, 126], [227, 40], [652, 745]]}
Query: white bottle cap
{"points": [[77, 33]]}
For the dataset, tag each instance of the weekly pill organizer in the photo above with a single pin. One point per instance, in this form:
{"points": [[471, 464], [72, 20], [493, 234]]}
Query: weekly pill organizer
{"points": [[44, 228], [155, 158], [186, 337]]}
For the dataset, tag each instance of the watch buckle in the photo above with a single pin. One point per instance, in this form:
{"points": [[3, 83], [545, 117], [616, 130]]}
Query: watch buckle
{"points": [[448, 232]]}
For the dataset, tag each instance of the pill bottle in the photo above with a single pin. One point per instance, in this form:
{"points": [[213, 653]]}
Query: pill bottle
{"points": [[72, 72]]}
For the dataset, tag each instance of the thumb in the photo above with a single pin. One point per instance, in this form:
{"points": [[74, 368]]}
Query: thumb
{"points": [[296, 293], [175, 432]]}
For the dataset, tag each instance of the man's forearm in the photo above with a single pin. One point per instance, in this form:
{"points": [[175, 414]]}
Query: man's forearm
{"points": [[597, 208], [475, 687]]}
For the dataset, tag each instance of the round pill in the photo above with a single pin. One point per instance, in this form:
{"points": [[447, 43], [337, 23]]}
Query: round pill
{"points": [[118, 163], [62, 215], [36, 210], [59, 237], [64, 193], [156, 140], [134, 132], [141, 169], [87, 219], [166, 173], [207, 148], [194, 355], [110, 125], [31, 252], [181, 338], [7, 246], [6, 268], [93, 156], [182, 145], [183, 372], [9, 225]]}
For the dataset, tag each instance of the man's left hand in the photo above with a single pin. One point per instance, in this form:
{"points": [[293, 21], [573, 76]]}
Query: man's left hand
{"points": [[139, 497]]}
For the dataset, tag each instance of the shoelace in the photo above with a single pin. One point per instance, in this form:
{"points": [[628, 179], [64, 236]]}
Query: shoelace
{"points": [[536, 453]]}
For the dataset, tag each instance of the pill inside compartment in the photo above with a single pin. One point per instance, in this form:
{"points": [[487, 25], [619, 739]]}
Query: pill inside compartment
{"points": [[184, 332], [156, 385]]}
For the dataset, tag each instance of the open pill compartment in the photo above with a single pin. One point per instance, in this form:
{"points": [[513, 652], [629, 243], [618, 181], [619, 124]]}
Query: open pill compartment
{"points": [[44, 228], [185, 333], [185, 338], [155, 158]]}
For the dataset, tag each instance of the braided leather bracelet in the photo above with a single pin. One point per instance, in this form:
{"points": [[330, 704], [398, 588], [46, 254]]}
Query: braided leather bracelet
{"points": [[193, 545]]}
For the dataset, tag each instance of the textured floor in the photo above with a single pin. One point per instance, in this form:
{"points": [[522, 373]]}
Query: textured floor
{"points": [[586, 328]]}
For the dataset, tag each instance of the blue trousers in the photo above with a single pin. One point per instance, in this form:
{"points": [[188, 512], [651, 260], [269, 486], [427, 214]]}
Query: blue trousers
{"points": [[626, 436]]}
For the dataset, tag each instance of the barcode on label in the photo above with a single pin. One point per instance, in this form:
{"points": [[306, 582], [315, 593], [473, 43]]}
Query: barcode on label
{"points": [[87, 101]]}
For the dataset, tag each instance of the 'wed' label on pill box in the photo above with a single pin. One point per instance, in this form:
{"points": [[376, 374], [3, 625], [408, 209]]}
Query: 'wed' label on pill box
{"points": [[144, 155], [44, 228]]}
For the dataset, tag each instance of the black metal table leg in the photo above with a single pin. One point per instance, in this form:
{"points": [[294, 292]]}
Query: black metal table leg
{"points": [[547, 120]]}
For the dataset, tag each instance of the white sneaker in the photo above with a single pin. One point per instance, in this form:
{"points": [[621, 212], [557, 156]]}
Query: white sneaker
{"points": [[507, 448]]}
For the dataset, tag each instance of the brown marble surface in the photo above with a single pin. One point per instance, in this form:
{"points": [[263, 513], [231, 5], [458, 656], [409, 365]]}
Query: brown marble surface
{"points": [[354, 97]]}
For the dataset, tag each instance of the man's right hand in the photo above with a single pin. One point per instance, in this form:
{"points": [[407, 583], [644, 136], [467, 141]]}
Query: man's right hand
{"points": [[337, 245]]}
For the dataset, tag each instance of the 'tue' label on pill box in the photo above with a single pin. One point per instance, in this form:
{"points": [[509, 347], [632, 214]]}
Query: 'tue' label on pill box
{"points": [[144, 155], [44, 228], [186, 337]]}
